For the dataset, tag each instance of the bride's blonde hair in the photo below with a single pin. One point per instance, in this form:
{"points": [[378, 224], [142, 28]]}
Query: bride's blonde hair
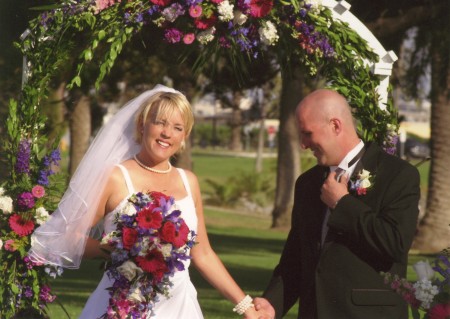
{"points": [[160, 106]]}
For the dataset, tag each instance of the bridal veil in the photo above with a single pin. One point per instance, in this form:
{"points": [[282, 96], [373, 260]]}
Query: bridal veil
{"points": [[61, 240]]}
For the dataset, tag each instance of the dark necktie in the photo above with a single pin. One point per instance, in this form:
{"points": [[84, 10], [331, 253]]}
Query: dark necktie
{"points": [[339, 172]]}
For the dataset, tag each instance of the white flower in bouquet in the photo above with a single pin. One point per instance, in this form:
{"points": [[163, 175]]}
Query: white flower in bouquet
{"points": [[425, 292], [146, 245], [166, 250], [2, 191], [129, 270], [109, 238], [239, 18], [136, 295], [6, 204], [225, 10], [268, 33], [129, 209], [1, 244], [423, 270], [41, 215]]}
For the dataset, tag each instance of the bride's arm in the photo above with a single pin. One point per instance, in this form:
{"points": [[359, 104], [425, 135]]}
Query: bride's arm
{"points": [[208, 263]]}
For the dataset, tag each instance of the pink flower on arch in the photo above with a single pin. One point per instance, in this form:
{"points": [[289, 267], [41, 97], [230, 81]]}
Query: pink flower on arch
{"points": [[38, 191], [195, 11], [188, 38], [10, 245], [103, 4]]}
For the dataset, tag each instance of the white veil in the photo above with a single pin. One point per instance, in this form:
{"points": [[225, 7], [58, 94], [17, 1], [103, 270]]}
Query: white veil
{"points": [[61, 240]]}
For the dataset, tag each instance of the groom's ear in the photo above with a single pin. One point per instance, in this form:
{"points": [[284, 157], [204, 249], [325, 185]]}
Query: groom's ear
{"points": [[336, 125]]}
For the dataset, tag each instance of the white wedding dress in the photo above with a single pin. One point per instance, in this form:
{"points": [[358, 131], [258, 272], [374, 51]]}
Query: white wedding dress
{"points": [[182, 303]]}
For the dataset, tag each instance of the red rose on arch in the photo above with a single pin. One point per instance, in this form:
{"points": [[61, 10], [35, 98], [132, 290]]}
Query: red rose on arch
{"points": [[176, 237], [153, 263], [439, 311], [148, 218], [161, 2], [205, 23], [129, 237], [260, 8]]}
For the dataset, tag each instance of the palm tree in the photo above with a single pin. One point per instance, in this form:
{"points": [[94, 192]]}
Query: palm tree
{"points": [[434, 228]]}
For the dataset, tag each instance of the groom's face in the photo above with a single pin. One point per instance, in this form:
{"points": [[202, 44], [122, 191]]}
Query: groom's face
{"points": [[316, 134]]}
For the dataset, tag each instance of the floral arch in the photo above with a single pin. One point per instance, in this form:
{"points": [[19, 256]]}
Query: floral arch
{"points": [[322, 35]]}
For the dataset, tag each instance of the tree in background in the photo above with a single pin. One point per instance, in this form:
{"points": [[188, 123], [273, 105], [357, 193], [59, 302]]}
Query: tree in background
{"points": [[390, 21]]}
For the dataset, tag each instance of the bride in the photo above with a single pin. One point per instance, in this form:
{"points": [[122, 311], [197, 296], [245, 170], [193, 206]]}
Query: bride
{"points": [[132, 154]]}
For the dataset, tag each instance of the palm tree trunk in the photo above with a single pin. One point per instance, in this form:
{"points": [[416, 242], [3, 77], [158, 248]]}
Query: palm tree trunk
{"points": [[288, 151], [236, 123], [434, 229], [80, 129]]}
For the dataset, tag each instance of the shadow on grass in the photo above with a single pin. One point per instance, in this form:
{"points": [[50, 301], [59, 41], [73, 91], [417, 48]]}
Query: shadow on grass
{"points": [[236, 244]]}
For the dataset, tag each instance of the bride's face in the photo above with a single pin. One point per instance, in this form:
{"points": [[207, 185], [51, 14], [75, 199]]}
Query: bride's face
{"points": [[163, 136]]}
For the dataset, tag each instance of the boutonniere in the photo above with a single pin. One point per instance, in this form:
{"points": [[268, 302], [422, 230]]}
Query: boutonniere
{"points": [[361, 182]]}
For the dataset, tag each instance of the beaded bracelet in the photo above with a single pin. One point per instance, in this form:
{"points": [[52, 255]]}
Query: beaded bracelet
{"points": [[243, 305]]}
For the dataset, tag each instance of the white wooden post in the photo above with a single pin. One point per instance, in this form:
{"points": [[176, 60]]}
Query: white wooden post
{"points": [[341, 11]]}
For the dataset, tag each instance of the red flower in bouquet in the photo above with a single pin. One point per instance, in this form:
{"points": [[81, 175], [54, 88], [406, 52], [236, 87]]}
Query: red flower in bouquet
{"points": [[129, 237], [153, 263], [148, 218], [20, 225], [176, 237], [158, 197]]}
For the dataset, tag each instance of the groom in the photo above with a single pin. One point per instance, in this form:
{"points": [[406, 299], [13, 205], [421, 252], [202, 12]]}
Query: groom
{"points": [[344, 231]]}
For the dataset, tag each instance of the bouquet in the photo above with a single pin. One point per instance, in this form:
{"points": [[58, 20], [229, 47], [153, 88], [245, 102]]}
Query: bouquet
{"points": [[150, 244], [431, 292]]}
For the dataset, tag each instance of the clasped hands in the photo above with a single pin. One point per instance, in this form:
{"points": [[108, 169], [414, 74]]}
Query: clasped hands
{"points": [[332, 190], [262, 310]]}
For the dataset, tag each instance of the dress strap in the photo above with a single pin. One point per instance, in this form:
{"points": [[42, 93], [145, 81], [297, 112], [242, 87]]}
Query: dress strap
{"points": [[127, 177], [185, 181]]}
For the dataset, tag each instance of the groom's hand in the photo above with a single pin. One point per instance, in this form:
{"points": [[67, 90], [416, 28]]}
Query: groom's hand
{"points": [[264, 308], [332, 190]]}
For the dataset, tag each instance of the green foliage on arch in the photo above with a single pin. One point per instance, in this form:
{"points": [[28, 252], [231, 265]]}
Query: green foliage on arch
{"points": [[88, 32]]}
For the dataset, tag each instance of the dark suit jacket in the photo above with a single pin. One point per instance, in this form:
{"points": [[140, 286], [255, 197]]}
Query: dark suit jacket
{"points": [[368, 234]]}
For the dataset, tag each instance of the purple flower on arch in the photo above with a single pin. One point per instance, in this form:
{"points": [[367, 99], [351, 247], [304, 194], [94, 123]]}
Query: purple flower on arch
{"points": [[23, 157]]}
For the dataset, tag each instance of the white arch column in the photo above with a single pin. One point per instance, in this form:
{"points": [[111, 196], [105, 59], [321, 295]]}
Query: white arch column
{"points": [[341, 11]]}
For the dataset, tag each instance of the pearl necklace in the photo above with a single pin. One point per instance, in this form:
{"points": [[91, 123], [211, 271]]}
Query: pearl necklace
{"points": [[158, 171]]}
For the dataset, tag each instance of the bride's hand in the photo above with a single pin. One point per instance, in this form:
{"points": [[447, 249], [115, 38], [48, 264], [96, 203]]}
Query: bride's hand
{"points": [[252, 313], [264, 308]]}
